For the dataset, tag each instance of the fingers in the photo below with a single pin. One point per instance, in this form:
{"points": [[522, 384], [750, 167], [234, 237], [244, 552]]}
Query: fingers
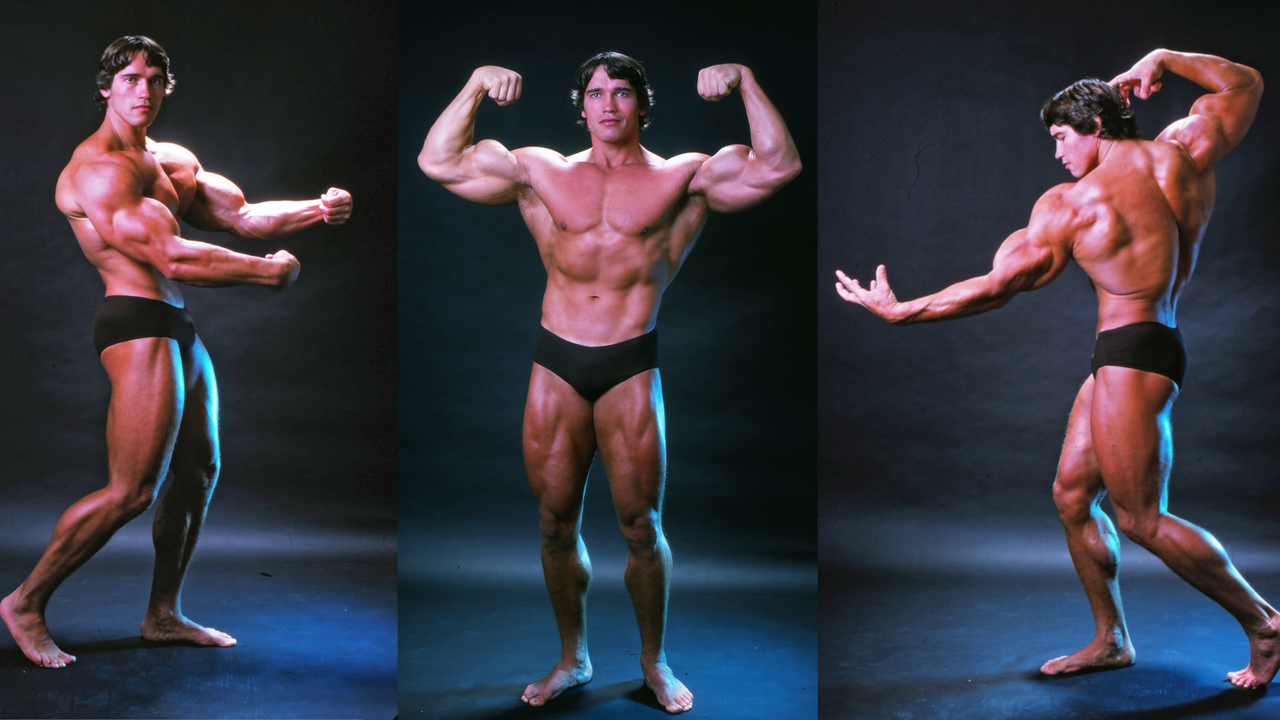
{"points": [[709, 86], [718, 81], [335, 206], [848, 288], [289, 268], [507, 91], [501, 84]]}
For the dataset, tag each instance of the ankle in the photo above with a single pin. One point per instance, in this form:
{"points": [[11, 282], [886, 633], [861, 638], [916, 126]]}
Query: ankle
{"points": [[20, 604]]}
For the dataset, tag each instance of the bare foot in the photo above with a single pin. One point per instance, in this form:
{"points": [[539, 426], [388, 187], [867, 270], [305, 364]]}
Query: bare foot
{"points": [[1094, 656], [566, 674], [1264, 657], [29, 630], [673, 696], [177, 628]]}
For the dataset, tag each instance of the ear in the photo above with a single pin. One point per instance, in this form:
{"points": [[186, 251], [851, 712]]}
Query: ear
{"points": [[1098, 130]]}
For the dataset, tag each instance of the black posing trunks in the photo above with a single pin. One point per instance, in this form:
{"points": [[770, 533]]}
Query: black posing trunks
{"points": [[122, 318], [591, 371], [1146, 346]]}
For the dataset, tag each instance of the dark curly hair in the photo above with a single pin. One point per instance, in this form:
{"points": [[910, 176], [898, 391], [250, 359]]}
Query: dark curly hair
{"points": [[120, 53], [1085, 100], [618, 67]]}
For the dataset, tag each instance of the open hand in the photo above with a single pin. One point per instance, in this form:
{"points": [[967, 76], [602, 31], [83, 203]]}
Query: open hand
{"points": [[876, 297], [335, 206]]}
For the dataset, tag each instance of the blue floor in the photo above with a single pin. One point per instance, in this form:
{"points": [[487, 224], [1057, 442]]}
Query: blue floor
{"points": [[316, 639], [967, 644]]}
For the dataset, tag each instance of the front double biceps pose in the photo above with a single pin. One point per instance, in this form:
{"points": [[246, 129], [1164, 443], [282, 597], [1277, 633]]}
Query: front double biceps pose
{"points": [[1133, 223], [613, 224], [124, 195]]}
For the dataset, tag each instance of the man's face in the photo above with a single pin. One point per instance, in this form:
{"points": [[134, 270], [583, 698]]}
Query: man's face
{"points": [[1079, 153], [136, 92], [611, 107]]}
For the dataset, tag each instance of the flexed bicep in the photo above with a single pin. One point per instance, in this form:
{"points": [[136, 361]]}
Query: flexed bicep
{"points": [[1217, 121], [219, 204], [145, 230], [740, 176], [130, 223], [483, 172]]}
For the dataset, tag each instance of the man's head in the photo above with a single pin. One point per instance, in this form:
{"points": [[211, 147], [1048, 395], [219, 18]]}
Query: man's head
{"points": [[1086, 104], [1083, 115], [618, 68], [120, 54]]}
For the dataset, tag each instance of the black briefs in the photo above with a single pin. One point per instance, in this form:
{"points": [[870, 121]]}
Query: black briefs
{"points": [[122, 318], [1146, 346], [591, 371]]}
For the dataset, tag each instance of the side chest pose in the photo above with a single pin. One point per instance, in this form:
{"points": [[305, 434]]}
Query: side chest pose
{"points": [[613, 224], [124, 194], [1133, 223]]}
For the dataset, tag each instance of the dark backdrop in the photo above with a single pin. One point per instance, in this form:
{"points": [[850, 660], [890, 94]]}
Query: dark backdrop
{"points": [[737, 326], [934, 154], [286, 100]]}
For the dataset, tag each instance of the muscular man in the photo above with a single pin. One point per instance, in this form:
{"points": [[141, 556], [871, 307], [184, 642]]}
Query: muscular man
{"points": [[124, 195], [613, 224], [1133, 223]]}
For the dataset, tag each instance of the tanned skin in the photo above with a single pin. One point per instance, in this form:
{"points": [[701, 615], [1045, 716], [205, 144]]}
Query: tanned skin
{"points": [[1133, 223], [613, 224], [124, 195]]}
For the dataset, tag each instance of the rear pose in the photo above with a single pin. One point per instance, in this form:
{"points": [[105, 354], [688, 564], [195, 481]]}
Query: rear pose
{"points": [[1133, 223]]}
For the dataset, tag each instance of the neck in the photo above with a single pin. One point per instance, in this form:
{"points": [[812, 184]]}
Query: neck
{"points": [[612, 155], [129, 136], [1104, 149]]}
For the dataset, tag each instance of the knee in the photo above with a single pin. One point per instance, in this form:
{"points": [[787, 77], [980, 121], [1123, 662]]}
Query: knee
{"points": [[559, 529], [642, 531], [1140, 527], [1074, 504], [134, 500], [200, 475]]}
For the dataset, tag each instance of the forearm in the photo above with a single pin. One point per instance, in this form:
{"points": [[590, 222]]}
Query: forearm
{"points": [[771, 143], [1209, 71], [452, 133], [969, 297], [277, 219], [204, 265]]}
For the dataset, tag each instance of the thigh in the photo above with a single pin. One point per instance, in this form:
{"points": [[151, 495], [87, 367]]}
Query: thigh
{"points": [[1133, 437], [559, 443], [1078, 472], [197, 449], [631, 432], [146, 406]]}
